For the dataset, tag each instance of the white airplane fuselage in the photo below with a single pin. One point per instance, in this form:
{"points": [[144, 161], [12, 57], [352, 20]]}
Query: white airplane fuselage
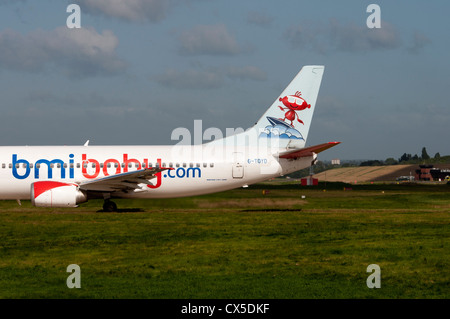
{"points": [[65, 176], [191, 170]]}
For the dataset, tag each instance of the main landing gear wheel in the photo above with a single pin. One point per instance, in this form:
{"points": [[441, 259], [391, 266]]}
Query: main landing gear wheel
{"points": [[109, 206]]}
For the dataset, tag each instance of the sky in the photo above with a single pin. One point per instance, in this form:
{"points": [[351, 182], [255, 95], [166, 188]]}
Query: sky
{"points": [[137, 70]]}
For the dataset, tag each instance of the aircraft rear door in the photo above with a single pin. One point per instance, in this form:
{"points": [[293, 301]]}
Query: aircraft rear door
{"points": [[238, 165]]}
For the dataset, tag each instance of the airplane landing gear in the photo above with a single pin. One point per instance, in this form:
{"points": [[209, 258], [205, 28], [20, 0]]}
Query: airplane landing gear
{"points": [[109, 206]]}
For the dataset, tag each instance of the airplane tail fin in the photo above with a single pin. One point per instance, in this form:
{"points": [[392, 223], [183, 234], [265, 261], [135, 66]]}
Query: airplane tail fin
{"points": [[289, 117]]}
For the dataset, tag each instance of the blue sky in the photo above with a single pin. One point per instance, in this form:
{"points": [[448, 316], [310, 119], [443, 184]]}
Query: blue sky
{"points": [[138, 69]]}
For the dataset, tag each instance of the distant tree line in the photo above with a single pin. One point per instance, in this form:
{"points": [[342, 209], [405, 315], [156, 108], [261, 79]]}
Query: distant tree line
{"points": [[410, 159]]}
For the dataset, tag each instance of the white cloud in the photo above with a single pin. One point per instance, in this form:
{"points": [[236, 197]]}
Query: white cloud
{"points": [[419, 41], [245, 73], [208, 40], [76, 52], [129, 10], [211, 78], [336, 36], [190, 79], [259, 19], [3, 2]]}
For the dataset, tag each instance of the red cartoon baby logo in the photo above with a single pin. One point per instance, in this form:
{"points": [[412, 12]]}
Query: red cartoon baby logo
{"points": [[293, 103]]}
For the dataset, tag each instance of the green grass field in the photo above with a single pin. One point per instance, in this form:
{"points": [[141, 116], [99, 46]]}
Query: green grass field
{"points": [[235, 244]]}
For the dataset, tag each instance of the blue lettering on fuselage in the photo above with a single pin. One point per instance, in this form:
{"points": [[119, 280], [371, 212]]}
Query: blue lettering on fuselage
{"points": [[181, 172], [50, 164], [16, 162], [49, 167]]}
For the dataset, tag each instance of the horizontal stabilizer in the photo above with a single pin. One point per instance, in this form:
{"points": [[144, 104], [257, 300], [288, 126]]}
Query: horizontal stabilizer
{"points": [[307, 151]]}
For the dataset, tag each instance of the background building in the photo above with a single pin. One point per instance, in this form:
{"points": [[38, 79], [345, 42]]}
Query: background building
{"points": [[429, 173]]}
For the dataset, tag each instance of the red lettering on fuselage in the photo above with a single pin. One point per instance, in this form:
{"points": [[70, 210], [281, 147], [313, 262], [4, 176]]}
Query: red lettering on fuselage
{"points": [[106, 166], [85, 164], [127, 162], [111, 162], [158, 177]]}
